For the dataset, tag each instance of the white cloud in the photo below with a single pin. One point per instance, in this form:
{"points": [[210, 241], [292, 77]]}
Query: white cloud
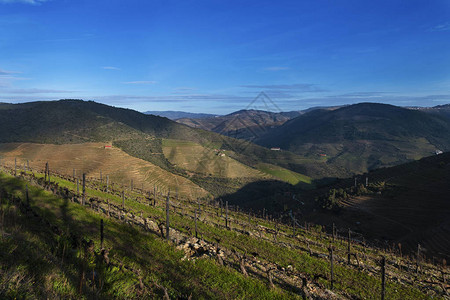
{"points": [[441, 27], [34, 91], [276, 68], [7, 80], [140, 82], [32, 2], [184, 88], [5, 72], [110, 68], [299, 87]]}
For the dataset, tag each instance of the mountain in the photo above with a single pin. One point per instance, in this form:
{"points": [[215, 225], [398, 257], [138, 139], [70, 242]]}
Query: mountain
{"points": [[243, 124], [174, 115], [442, 110], [363, 136], [74, 121], [208, 160], [246, 124]]}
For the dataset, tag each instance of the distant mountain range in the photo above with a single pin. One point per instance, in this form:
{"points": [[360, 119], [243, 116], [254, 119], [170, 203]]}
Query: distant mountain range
{"points": [[363, 136], [245, 124], [316, 147], [318, 143], [215, 162], [174, 115]]}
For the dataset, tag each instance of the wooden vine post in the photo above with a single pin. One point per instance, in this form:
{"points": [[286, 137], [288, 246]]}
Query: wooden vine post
{"points": [[348, 247], [196, 223], [167, 216], [101, 233], [331, 266], [293, 226], [383, 277], [226, 214], [107, 183], [84, 190], [123, 199], [15, 166], [48, 173]]}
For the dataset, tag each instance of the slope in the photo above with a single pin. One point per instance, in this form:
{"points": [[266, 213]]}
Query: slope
{"points": [[139, 135], [363, 136], [406, 204], [243, 124], [93, 159], [174, 115]]}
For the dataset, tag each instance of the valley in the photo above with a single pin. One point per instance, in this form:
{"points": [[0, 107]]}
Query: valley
{"points": [[253, 201]]}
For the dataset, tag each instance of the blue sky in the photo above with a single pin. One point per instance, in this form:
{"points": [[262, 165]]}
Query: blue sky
{"points": [[217, 56]]}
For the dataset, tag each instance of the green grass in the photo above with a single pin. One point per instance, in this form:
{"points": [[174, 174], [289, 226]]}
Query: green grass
{"points": [[284, 174], [229, 282], [32, 255]]}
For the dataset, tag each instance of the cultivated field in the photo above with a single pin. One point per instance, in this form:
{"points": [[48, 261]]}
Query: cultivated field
{"points": [[93, 158], [208, 161]]}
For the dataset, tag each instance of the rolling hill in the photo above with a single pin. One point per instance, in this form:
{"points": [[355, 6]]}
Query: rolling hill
{"points": [[147, 137], [174, 115], [243, 124], [94, 160], [363, 136]]}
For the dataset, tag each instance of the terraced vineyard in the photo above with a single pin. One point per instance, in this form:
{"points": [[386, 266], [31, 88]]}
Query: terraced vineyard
{"points": [[93, 158], [235, 255], [208, 161]]}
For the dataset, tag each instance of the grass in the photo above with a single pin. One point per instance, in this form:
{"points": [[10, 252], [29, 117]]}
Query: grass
{"points": [[350, 280], [33, 264], [284, 174], [207, 161]]}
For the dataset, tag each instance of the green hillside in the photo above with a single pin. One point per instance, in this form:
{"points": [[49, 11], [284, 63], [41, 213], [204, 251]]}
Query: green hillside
{"points": [[142, 136], [407, 204], [363, 136], [52, 248]]}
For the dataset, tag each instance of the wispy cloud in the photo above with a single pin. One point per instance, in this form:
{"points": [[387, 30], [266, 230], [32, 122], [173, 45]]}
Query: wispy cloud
{"points": [[187, 98], [441, 27], [299, 87], [184, 88], [111, 68], [5, 72], [362, 95], [7, 80], [276, 68], [34, 91], [32, 2], [140, 82], [351, 98]]}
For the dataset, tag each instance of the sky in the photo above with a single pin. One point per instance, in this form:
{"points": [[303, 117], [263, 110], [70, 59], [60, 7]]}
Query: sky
{"points": [[219, 56]]}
